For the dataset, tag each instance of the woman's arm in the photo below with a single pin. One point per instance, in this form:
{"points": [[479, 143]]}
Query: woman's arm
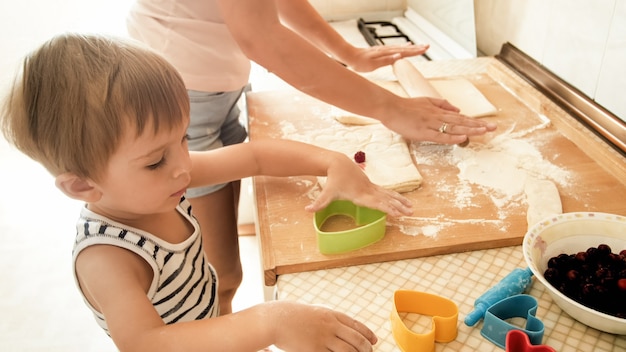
{"points": [[302, 18], [263, 38]]}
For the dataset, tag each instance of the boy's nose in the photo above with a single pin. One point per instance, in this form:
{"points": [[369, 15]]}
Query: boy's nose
{"points": [[182, 172], [183, 165]]}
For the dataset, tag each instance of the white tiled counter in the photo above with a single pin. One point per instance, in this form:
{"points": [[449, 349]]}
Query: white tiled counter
{"points": [[366, 293]]}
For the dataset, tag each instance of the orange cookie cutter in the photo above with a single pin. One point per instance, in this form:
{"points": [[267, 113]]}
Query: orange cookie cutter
{"points": [[445, 315]]}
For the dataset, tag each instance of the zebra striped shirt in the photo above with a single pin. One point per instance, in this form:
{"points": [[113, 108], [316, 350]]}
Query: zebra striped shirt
{"points": [[184, 287]]}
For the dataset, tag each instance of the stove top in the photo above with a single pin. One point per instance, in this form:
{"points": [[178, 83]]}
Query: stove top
{"points": [[381, 33]]}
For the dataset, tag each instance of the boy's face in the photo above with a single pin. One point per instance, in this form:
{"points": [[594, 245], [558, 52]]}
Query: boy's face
{"points": [[147, 175]]}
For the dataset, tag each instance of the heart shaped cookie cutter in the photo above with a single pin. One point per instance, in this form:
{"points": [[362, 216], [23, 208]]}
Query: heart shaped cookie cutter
{"points": [[496, 327], [444, 312], [371, 227]]}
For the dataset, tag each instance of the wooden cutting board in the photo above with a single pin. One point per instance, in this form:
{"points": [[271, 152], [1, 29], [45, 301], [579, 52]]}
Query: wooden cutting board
{"points": [[440, 224]]}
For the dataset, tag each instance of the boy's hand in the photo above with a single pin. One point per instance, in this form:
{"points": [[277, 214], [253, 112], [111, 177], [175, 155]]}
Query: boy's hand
{"points": [[301, 327], [346, 180]]}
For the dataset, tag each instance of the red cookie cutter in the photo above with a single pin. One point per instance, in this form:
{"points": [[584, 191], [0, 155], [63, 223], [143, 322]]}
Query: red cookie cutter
{"points": [[518, 341]]}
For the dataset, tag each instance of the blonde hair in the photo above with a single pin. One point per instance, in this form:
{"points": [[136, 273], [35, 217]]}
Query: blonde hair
{"points": [[78, 94]]}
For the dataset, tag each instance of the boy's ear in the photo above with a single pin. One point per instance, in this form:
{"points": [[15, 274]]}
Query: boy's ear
{"points": [[77, 188]]}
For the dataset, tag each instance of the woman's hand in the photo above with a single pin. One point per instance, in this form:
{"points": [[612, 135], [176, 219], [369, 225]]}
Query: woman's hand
{"points": [[434, 120], [369, 59]]}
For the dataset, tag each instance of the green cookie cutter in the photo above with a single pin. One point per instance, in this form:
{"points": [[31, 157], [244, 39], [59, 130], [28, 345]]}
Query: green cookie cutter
{"points": [[371, 227]]}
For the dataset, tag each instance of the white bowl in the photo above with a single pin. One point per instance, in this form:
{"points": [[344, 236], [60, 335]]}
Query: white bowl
{"points": [[571, 233]]}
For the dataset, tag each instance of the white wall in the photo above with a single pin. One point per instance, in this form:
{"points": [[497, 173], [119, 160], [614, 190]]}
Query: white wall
{"points": [[27, 23], [581, 41], [368, 9], [454, 17]]}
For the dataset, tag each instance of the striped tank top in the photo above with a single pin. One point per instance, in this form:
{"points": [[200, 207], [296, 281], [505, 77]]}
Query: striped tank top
{"points": [[184, 287]]}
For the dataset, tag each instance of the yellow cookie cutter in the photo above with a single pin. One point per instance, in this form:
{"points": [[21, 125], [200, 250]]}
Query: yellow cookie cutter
{"points": [[445, 315]]}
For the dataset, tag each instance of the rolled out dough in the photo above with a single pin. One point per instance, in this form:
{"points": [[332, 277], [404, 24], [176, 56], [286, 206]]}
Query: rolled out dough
{"points": [[388, 160], [543, 200]]}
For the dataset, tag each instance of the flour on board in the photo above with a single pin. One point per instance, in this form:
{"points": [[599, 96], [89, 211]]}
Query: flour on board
{"points": [[500, 168]]}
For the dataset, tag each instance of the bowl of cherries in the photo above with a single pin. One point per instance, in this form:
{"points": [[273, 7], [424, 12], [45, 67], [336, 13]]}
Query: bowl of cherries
{"points": [[581, 260]]}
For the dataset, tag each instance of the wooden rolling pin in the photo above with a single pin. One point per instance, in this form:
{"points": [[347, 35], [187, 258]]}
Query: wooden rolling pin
{"points": [[415, 84], [412, 81]]}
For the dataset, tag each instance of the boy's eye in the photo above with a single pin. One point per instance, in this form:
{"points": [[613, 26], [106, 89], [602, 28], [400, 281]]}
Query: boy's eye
{"points": [[157, 164]]}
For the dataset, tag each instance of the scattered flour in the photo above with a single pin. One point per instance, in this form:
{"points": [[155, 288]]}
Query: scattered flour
{"points": [[499, 169], [431, 226]]}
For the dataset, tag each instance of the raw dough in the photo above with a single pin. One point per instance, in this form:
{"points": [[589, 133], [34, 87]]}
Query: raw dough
{"points": [[348, 118], [388, 160], [543, 200]]}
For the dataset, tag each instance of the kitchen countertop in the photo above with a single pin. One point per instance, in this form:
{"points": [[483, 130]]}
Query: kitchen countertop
{"points": [[365, 292], [451, 215], [362, 284]]}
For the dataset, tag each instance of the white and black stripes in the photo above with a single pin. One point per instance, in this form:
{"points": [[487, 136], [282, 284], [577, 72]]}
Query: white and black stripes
{"points": [[184, 287]]}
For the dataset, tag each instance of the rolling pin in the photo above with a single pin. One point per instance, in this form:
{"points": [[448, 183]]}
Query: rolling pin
{"points": [[415, 84], [412, 81], [513, 284]]}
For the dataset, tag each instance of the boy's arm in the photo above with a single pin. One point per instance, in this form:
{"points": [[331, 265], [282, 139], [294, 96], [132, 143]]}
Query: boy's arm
{"points": [[116, 281], [274, 157]]}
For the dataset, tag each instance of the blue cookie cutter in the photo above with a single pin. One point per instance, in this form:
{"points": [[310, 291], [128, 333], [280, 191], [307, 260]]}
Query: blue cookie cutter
{"points": [[495, 326]]}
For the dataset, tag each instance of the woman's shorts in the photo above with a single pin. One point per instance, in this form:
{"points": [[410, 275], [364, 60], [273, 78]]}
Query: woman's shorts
{"points": [[214, 124]]}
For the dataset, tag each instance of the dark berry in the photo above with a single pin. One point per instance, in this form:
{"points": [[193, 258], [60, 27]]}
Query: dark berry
{"points": [[601, 273], [553, 262], [592, 253], [587, 290], [581, 256], [621, 284], [573, 275], [359, 157], [604, 249], [552, 275], [595, 277]]}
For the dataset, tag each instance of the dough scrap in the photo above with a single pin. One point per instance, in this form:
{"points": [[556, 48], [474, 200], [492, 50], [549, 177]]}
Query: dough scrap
{"points": [[543, 200], [348, 118]]}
